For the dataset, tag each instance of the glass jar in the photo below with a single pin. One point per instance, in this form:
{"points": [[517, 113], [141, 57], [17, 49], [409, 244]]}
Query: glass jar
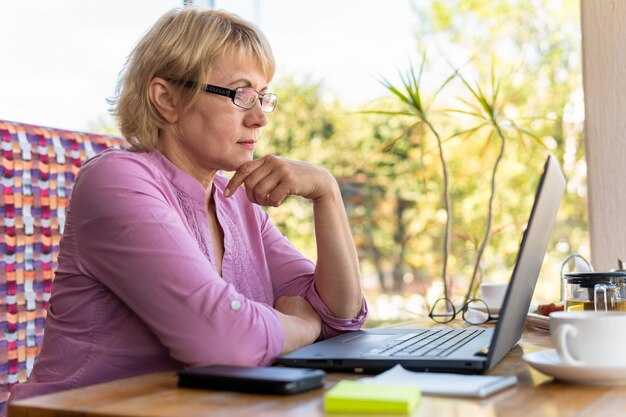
{"points": [[599, 291]]}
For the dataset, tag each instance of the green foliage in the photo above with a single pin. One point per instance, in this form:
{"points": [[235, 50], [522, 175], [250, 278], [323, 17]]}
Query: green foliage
{"points": [[537, 45], [409, 94], [521, 74], [488, 108], [306, 126]]}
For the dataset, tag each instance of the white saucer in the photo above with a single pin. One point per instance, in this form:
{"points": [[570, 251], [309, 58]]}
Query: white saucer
{"points": [[549, 363]]}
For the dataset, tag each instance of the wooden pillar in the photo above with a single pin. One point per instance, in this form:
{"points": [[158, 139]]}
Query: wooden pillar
{"points": [[604, 81]]}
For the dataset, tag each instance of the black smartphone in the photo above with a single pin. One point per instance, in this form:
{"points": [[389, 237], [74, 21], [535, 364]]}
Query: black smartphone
{"points": [[264, 380]]}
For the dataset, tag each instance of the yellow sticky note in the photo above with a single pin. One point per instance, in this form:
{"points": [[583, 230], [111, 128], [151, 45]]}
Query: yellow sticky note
{"points": [[359, 397]]}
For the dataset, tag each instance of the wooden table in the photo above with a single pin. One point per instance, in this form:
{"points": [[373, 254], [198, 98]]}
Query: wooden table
{"points": [[157, 395]]}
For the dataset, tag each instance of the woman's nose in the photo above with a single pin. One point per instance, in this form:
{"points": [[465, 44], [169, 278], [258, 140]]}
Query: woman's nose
{"points": [[256, 117]]}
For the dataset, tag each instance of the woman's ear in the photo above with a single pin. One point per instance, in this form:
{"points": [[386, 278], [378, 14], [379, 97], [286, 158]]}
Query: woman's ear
{"points": [[163, 98]]}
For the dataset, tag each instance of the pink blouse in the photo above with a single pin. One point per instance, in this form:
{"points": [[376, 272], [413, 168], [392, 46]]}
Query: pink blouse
{"points": [[136, 290]]}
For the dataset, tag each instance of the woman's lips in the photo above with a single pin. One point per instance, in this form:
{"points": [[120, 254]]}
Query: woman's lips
{"points": [[248, 144]]}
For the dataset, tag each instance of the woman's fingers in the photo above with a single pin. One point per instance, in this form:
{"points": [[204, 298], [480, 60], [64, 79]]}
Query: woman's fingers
{"points": [[261, 185], [278, 195], [241, 174], [263, 191], [269, 180]]}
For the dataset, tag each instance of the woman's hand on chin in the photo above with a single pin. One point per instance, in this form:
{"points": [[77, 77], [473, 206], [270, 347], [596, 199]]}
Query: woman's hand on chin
{"points": [[271, 179]]}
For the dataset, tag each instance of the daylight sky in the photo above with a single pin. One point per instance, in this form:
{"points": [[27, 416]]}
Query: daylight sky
{"points": [[60, 59]]}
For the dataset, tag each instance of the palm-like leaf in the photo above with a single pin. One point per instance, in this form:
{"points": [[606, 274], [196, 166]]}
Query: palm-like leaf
{"points": [[489, 112], [409, 92]]}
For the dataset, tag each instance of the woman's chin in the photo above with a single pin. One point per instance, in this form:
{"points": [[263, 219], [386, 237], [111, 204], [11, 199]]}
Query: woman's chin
{"points": [[241, 161]]}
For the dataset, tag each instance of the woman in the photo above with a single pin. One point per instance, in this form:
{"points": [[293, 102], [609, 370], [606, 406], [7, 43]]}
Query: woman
{"points": [[165, 263]]}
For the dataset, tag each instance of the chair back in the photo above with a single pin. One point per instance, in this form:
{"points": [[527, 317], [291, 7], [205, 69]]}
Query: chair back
{"points": [[38, 168]]}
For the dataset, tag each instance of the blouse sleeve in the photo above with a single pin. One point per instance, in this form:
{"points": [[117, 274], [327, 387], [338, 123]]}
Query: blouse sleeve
{"points": [[131, 239], [293, 274]]}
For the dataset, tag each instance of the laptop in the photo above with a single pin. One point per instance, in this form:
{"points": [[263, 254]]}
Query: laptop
{"points": [[444, 349]]}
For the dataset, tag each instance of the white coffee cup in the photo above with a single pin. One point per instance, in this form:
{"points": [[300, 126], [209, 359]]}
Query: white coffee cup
{"points": [[590, 338], [492, 294]]}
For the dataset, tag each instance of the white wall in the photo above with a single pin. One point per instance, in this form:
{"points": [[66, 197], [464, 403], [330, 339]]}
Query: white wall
{"points": [[604, 80]]}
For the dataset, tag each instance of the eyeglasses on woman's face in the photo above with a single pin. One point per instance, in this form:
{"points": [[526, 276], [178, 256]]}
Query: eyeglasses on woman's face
{"points": [[473, 311], [244, 97]]}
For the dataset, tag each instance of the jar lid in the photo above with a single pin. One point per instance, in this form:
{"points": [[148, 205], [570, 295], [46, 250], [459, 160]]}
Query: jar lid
{"points": [[591, 278]]}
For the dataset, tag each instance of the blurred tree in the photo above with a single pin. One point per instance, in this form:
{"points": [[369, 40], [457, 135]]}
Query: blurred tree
{"points": [[417, 107], [300, 128], [393, 197], [380, 189], [537, 47]]}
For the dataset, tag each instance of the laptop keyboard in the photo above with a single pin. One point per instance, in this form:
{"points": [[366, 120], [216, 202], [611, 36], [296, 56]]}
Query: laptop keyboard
{"points": [[433, 342]]}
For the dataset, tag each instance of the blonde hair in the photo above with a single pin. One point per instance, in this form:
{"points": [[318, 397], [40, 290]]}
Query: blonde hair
{"points": [[182, 45]]}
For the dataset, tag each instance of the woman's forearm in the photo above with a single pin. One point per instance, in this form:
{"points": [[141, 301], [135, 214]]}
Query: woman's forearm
{"points": [[337, 274], [298, 332], [271, 179], [301, 323]]}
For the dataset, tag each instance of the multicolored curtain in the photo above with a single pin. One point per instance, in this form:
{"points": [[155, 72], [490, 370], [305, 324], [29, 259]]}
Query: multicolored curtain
{"points": [[38, 168]]}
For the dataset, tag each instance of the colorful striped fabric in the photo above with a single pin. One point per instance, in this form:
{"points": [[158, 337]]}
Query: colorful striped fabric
{"points": [[39, 165]]}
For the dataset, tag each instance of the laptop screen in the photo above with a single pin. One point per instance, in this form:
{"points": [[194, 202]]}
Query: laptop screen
{"points": [[529, 260]]}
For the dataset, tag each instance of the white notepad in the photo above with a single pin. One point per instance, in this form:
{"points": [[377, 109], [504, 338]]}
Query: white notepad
{"points": [[443, 383]]}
